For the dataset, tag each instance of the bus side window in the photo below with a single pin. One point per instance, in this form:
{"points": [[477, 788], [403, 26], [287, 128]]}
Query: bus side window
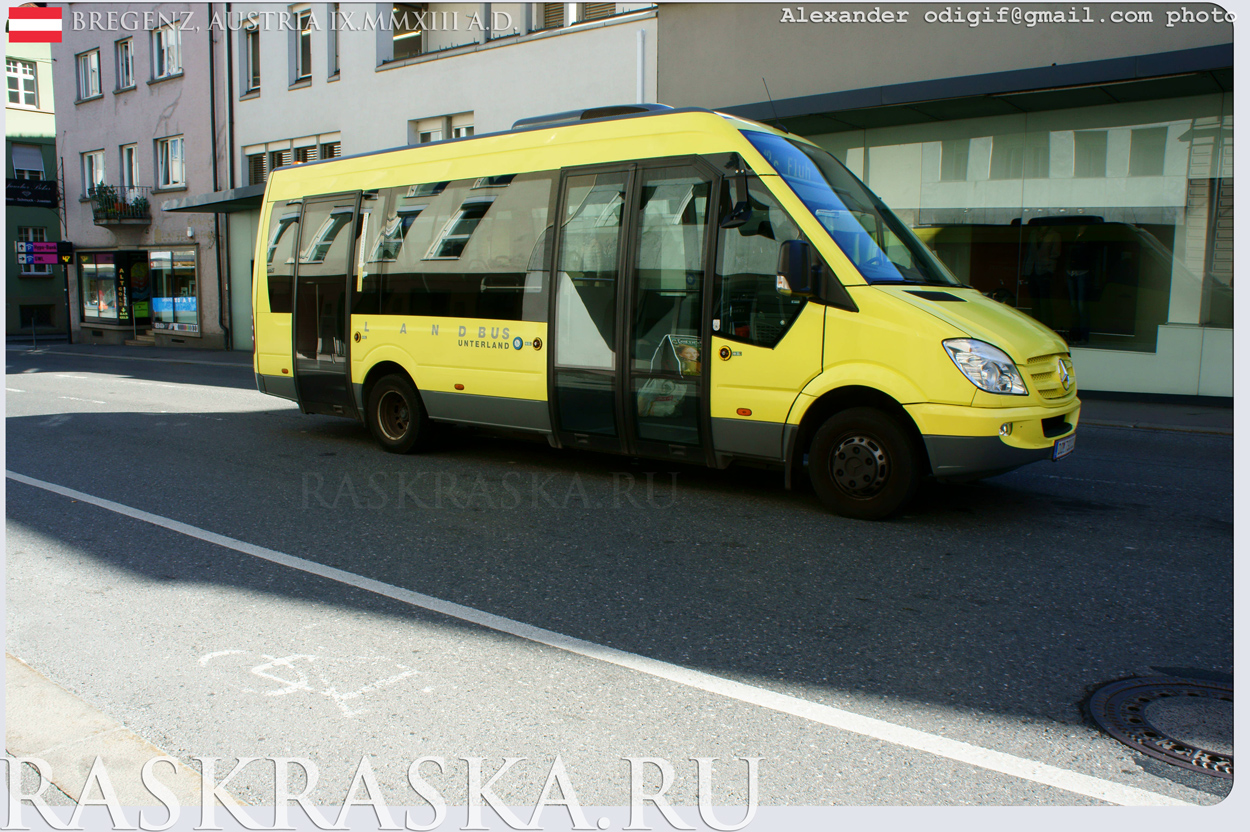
{"points": [[280, 256], [747, 305]]}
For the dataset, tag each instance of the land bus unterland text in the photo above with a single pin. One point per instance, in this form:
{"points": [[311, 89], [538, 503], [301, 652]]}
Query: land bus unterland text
{"points": [[673, 284]]}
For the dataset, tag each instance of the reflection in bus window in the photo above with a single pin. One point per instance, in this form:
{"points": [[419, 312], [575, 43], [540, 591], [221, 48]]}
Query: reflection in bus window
{"points": [[324, 238], [391, 240], [459, 229]]}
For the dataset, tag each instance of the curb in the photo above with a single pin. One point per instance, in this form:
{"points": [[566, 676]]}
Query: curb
{"points": [[42, 351], [1098, 423], [66, 735]]}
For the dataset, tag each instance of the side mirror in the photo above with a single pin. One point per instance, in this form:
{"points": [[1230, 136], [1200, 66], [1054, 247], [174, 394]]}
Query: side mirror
{"points": [[740, 214], [795, 275]]}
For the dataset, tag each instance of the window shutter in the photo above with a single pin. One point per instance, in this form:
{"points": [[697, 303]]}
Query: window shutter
{"points": [[594, 11], [331, 150], [27, 157], [553, 15], [256, 169]]}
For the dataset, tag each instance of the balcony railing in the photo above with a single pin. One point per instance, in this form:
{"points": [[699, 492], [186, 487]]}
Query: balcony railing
{"points": [[121, 205]]}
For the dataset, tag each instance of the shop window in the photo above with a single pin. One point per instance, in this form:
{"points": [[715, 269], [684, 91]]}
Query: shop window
{"points": [[97, 276], [174, 304]]}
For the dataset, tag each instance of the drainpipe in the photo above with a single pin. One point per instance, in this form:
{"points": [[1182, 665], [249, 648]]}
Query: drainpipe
{"points": [[222, 268]]}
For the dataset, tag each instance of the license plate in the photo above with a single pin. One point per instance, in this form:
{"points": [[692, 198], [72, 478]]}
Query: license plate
{"points": [[1064, 446]]}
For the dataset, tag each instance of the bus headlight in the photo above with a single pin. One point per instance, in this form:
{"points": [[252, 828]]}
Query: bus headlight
{"points": [[987, 367]]}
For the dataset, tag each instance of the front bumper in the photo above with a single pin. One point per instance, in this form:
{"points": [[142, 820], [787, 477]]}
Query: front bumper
{"points": [[967, 442]]}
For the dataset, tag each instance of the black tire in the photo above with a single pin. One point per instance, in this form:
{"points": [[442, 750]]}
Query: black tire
{"points": [[863, 464], [396, 416]]}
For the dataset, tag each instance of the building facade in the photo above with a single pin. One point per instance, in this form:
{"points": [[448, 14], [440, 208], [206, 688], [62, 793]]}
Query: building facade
{"points": [[141, 121], [1079, 169], [320, 80], [35, 293]]}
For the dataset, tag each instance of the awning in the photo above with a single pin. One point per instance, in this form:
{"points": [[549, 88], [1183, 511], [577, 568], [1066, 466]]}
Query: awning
{"points": [[247, 198]]}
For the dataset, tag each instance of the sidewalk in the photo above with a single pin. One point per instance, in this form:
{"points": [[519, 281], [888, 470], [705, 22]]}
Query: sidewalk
{"points": [[174, 355], [1095, 412]]}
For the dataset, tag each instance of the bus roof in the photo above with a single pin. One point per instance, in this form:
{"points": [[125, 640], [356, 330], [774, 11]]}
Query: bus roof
{"points": [[578, 137]]}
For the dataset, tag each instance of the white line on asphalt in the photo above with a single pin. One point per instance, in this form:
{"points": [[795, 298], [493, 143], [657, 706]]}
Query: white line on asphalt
{"points": [[1103, 482], [75, 399], [13, 390], [986, 758], [131, 358]]}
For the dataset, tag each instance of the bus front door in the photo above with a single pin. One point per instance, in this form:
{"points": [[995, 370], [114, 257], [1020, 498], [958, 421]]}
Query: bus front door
{"points": [[323, 267]]}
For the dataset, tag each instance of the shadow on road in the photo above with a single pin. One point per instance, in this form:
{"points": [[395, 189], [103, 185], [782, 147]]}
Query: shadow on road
{"points": [[1014, 595]]}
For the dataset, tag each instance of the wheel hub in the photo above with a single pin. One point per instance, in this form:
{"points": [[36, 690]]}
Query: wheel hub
{"points": [[394, 416], [859, 466]]}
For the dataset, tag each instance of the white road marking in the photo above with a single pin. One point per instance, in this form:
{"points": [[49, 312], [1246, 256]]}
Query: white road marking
{"points": [[75, 399], [986, 758], [13, 390], [1101, 482]]}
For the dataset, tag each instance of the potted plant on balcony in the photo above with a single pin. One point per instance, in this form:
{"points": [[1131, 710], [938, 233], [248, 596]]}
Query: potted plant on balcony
{"points": [[105, 198], [138, 207]]}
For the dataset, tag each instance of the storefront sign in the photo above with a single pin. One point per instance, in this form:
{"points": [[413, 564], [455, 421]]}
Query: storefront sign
{"points": [[44, 253], [165, 326], [33, 193]]}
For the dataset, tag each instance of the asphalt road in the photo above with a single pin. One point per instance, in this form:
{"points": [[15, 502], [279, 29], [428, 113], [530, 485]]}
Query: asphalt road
{"points": [[987, 614]]}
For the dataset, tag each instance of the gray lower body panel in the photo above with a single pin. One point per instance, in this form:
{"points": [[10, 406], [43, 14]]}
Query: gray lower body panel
{"points": [[280, 386], [743, 437], [964, 456], [488, 411]]}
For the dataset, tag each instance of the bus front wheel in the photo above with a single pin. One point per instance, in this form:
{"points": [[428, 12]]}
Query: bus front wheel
{"points": [[863, 464], [396, 416]]}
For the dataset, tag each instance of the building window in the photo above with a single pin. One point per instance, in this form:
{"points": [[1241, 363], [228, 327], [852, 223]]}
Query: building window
{"points": [[169, 163], [89, 74], [251, 52], [279, 158], [92, 171], [1091, 154], [125, 64], [21, 80], [97, 275], [461, 131], [35, 315], [596, 11], [333, 35], [552, 15], [35, 234], [130, 165], [407, 36], [256, 170], [303, 54], [331, 150], [167, 51], [305, 154], [27, 161]]}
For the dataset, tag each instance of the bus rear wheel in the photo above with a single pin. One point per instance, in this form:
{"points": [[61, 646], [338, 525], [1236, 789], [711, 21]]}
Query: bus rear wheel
{"points": [[396, 416], [863, 464]]}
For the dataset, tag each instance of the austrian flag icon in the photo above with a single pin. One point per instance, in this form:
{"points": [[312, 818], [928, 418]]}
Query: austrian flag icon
{"points": [[31, 24]]}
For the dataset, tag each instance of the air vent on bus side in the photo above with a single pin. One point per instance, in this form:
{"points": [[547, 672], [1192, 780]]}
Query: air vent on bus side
{"points": [[942, 296]]}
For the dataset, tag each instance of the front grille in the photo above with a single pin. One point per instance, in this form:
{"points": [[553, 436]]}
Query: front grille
{"points": [[1043, 371]]}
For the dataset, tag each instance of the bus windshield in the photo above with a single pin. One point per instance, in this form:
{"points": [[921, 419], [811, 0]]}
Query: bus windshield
{"points": [[880, 245]]}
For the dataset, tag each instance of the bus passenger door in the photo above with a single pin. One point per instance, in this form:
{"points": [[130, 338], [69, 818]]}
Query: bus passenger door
{"points": [[664, 385], [323, 269], [584, 386]]}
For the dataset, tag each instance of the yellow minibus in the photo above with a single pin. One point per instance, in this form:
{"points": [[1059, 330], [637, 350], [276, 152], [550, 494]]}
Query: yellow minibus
{"points": [[665, 283]]}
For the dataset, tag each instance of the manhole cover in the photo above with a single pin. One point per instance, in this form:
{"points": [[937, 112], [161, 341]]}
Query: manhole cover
{"points": [[1185, 722]]}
